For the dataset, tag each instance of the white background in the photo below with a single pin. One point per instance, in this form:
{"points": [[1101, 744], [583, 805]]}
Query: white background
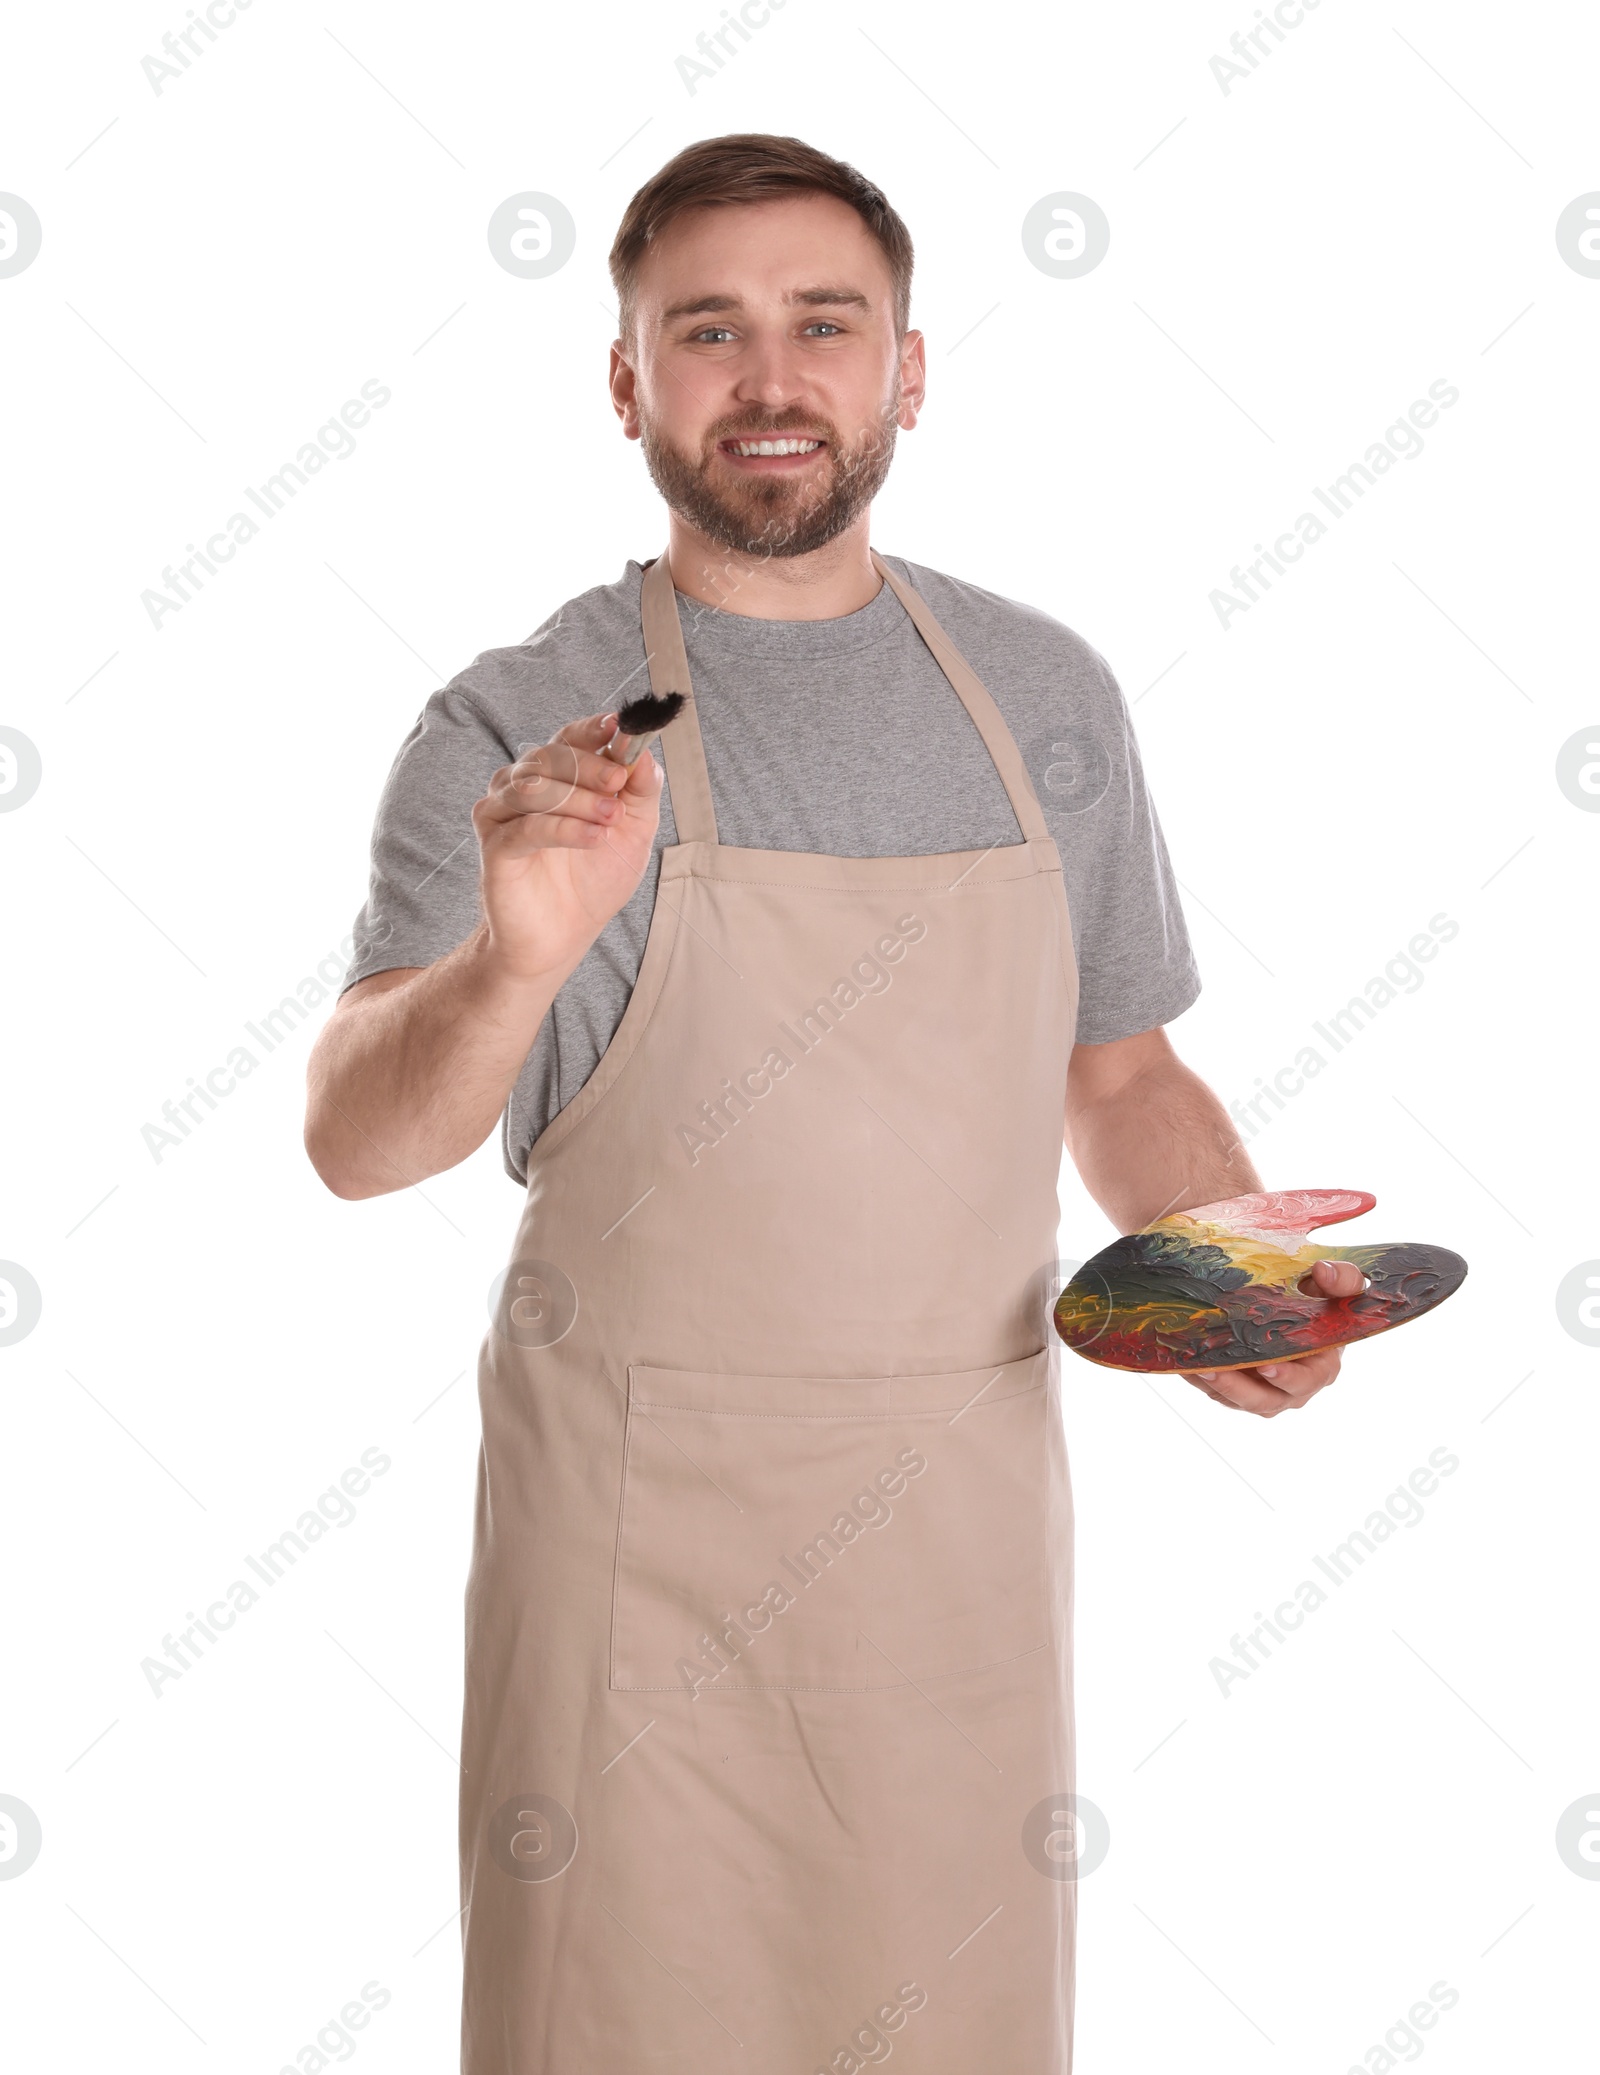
{"points": [[1372, 744]]}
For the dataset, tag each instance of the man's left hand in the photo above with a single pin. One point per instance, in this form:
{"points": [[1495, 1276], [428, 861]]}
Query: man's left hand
{"points": [[1286, 1385]]}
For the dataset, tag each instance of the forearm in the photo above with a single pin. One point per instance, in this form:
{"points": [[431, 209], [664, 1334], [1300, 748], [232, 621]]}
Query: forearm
{"points": [[1153, 1140], [406, 1083]]}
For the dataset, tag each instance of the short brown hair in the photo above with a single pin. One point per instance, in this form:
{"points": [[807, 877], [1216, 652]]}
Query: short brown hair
{"points": [[750, 167]]}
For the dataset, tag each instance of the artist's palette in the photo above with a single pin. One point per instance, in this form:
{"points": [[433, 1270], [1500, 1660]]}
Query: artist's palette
{"points": [[1218, 1287]]}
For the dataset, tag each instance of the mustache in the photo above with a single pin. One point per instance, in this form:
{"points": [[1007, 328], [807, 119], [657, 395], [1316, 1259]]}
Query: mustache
{"points": [[874, 438], [785, 425]]}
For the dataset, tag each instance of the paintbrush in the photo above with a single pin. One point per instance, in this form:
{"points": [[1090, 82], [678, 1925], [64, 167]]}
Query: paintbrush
{"points": [[638, 720]]}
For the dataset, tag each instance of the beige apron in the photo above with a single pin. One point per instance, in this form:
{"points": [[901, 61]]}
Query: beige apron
{"points": [[768, 1732]]}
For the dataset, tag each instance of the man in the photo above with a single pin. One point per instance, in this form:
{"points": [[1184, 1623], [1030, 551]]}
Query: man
{"points": [[768, 1733]]}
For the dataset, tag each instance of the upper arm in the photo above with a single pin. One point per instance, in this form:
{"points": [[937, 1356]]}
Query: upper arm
{"points": [[1099, 1073], [376, 983], [1136, 968]]}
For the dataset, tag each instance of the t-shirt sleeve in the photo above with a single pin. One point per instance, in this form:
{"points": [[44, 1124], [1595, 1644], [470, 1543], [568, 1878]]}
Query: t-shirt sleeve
{"points": [[1136, 967], [422, 896]]}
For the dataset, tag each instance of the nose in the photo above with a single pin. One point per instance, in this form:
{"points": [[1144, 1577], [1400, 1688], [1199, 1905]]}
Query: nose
{"points": [[770, 376]]}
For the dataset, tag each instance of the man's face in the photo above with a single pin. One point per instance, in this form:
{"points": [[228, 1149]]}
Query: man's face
{"points": [[763, 324]]}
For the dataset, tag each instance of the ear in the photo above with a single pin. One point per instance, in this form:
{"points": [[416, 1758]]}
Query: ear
{"points": [[913, 380], [624, 390]]}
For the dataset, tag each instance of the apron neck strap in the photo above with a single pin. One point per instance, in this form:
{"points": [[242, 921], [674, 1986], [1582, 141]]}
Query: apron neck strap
{"points": [[983, 712], [682, 751]]}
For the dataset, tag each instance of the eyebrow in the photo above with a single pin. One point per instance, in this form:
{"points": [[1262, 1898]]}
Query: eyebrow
{"points": [[808, 298]]}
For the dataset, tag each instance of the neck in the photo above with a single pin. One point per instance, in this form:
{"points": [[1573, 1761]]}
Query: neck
{"points": [[824, 585]]}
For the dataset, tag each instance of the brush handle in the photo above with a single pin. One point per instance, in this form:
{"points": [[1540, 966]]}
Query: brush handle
{"points": [[628, 752]]}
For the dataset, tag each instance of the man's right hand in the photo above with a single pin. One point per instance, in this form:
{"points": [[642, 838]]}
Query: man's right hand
{"points": [[564, 835], [414, 1066]]}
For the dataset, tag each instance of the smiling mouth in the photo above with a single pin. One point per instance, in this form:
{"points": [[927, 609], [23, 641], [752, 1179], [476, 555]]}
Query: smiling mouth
{"points": [[786, 448]]}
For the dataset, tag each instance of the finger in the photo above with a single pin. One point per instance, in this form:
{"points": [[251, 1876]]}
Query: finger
{"points": [[540, 797], [528, 833], [1234, 1388], [1333, 1279], [1216, 1396], [1243, 1389], [574, 764], [560, 763], [1300, 1376], [619, 788], [1303, 1375], [523, 788], [590, 737], [547, 778], [645, 779], [592, 732]]}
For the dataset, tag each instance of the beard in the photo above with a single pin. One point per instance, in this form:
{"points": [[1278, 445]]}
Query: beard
{"points": [[773, 515]]}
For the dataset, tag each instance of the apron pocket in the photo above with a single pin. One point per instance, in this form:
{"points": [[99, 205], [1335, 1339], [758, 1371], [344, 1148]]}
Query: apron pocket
{"points": [[790, 1532]]}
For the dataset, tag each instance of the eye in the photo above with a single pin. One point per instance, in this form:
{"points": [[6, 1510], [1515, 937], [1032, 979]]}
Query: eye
{"points": [[712, 335], [825, 326]]}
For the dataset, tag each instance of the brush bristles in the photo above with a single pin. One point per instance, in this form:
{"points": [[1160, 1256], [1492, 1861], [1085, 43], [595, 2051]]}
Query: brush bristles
{"points": [[649, 715]]}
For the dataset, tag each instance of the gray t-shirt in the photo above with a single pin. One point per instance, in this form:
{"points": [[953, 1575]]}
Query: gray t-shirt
{"points": [[842, 736]]}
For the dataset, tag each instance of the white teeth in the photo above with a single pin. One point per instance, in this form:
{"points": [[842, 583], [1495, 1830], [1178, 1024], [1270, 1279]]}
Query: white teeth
{"points": [[775, 446]]}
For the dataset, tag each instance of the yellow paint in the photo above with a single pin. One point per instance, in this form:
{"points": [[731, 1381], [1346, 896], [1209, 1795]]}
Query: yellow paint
{"points": [[1261, 1261]]}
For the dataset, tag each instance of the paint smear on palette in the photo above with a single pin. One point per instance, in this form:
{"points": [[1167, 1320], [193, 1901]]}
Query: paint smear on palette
{"points": [[1217, 1287]]}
